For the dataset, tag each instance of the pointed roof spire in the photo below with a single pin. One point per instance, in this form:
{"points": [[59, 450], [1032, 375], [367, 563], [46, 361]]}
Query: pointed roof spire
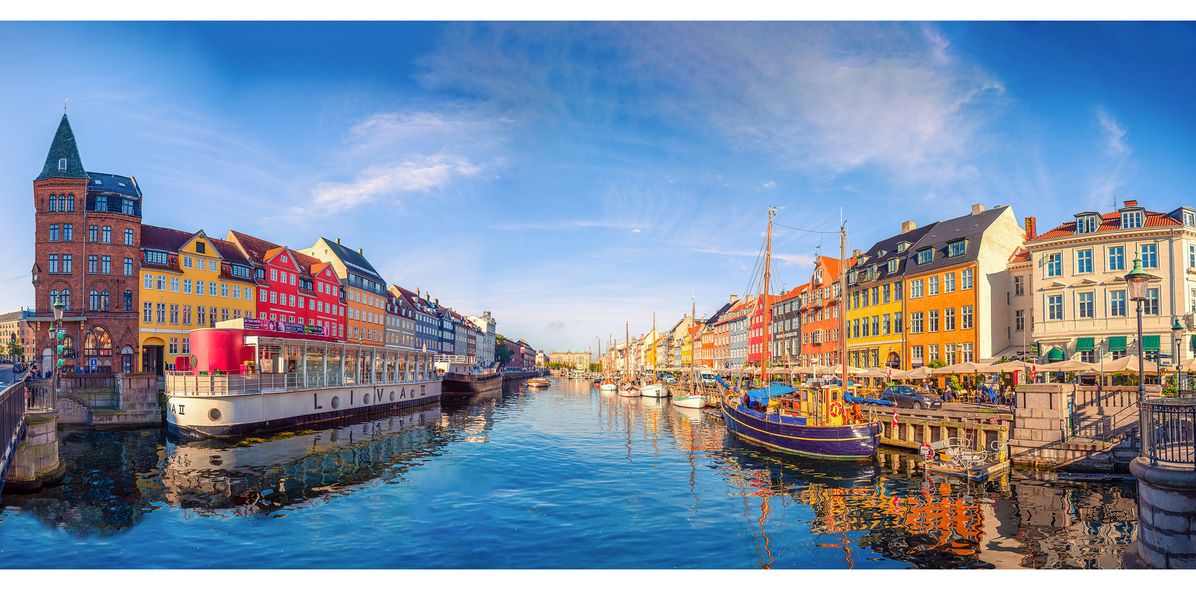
{"points": [[63, 160]]}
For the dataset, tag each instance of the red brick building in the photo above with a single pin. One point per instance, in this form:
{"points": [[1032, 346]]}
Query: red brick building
{"points": [[292, 286], [86, 252]]}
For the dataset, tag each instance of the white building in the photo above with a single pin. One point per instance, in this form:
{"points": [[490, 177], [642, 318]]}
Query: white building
{"points": [[487, 326]]}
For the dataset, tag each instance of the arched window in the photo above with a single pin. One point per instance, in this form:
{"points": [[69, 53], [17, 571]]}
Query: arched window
{"points": [[93, 300], [53, 203], [66, 299], [98, 343], [70, 203], [68, 347], [104, 300], [53, 297]]}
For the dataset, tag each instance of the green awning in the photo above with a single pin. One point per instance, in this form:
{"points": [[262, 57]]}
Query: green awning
{"points": [[1085, 344], [1116, 343], [1055, 355], [1193, 342], [1150, 343]]}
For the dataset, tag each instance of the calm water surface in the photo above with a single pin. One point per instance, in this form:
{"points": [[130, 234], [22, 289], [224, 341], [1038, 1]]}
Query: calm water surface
{"points": [[559, 478]]}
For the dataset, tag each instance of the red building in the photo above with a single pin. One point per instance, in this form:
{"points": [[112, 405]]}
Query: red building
{"points": [[820, 307], [293, 287], [757, 350]]}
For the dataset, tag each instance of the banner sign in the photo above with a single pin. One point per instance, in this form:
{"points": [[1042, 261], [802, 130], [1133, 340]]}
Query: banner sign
{"points": [[283, 327]]}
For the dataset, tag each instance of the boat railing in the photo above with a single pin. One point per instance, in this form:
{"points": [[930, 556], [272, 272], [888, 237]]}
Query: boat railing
{"points": [[220, 384]]}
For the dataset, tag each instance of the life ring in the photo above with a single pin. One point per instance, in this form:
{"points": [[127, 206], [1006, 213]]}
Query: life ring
{"points": [[836, 409], [926, 452]]}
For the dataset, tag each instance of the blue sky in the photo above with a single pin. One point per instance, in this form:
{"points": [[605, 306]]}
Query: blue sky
{"points": [[568, 176]]}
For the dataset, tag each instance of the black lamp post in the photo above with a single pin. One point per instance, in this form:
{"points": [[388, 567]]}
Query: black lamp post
{"points": [[1177, 336], [1136, 281], [59, 337]]}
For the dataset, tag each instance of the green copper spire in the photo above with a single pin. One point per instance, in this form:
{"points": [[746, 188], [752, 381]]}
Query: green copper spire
{"points": [[63, 160]]}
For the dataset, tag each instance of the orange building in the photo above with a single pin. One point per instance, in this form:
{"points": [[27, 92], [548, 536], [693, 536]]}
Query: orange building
{"points": [[363, 291], [819, 305]]}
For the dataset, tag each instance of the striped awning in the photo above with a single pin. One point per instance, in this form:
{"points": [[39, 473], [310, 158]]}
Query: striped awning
{"points": [[1085, 344], [1150, 343]]}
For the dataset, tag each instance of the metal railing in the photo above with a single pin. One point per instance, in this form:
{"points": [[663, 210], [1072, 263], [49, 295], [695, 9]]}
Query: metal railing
{"points": [[1168, 430], [182, 383], [12, 423], [40, 395]]}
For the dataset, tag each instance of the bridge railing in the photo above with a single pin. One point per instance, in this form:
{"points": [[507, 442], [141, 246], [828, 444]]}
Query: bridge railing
{"points": [[12, 422], [1168, 431]]}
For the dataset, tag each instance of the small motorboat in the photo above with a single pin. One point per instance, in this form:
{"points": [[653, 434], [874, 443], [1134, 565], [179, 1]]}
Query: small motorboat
{"points": [[689, 400], [654, 390], [955, 458], [629, 390], [538, 383]]}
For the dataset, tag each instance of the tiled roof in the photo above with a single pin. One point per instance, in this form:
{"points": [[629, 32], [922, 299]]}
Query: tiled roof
{"points": [[63, 146], [163, 238], [102, 182], [1110, 222], [10, 316], [230, 252], [1019, 255]]}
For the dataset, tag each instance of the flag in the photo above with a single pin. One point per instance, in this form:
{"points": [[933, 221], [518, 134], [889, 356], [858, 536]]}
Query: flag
{"points": [[1033, 373], [894, 419]]}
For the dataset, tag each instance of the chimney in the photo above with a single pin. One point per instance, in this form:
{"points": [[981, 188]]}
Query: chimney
{"points": [[338, 240], [1131, 203], [360, 252], [908, 226], [1031, 228], [732, 298], [977, 209], [856, 253]]}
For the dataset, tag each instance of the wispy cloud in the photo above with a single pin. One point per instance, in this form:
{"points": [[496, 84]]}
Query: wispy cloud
{"points": [[422, 175], [1113, 170], [568, 224], [1114, 134], [799, 259]]}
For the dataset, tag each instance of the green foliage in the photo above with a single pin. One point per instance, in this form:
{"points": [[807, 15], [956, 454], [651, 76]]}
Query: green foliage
{"points": [[503, 354], [936, 364], [595, 367]]}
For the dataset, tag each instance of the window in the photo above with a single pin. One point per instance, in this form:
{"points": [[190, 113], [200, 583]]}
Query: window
{"points": [[174, 346], [53, 204], [1018, 287], [948, 282], [68, 232], [1085, 305], [224, 289], [933, 351], [1189, 218], [932, 285], [1054, 264], [236, 291], [892, 266], [1054, 307], [1083, 261], [67, 262], [106, 265], [915, 289], [174, 284], [174, 313], [186, 315], [128, 267], [956, 248], [1131, 219], [965, 352], [1151, 305], [925, 255], [147, 312], [273, 297], [1117, 303], [915, 354], [949, 352], [93, 263], [200, 247], [915, 322], [127, 301], [70, 203], [187, 262], [1191, 255], [201, 315], [93, 300], [126, 206], [224, 314], [887, 291], [187, 286], [1150, 255], [273, 274], [128, 237], [932, 323], [62, 164], [1019, 320], [161, 313], [53, 232], [249, 293], [965, 317], [1086, 224], [949, 319], [93, 233], [261, 296], [212, 288], [149, 281], [53, 264], [107, 234]]}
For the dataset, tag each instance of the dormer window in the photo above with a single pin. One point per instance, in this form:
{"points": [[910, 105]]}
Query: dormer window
{"points": [[1086, 224], [902, 246], [1131, 219], [957, 248], [1189, 218], [925, 255], [892, 266], [62, 164], [199, 248]]}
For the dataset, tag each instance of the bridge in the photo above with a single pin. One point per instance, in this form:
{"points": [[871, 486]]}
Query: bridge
{"points": [[28, 435]]}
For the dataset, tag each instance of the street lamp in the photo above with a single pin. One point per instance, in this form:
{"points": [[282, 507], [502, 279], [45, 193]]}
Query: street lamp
{"points": [[58, 306], [1136, 281], [1177, 336]]}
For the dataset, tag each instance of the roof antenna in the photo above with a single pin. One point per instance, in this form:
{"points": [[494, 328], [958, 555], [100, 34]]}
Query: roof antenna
{"points": [[64, 101]]}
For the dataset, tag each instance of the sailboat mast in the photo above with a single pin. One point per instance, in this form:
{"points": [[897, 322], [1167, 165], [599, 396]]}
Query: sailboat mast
{"points": [[627, 348], [655, 358], [842, 298], [764, 298]]}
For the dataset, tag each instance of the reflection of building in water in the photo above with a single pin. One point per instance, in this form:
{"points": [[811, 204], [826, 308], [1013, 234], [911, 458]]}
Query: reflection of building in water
{"points": [[110, 482], [1074, 525], [471, 418], [268, 474]]}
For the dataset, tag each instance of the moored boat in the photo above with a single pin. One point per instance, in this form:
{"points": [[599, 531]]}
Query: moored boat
{"points": [[252, 376], [810, 423], [538, 383], [689, 400], [628, 390], [654, 390], [608, 388]]}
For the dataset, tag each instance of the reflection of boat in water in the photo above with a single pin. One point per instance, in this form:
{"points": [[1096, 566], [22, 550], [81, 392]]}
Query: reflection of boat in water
{"points": [[286, 469]]}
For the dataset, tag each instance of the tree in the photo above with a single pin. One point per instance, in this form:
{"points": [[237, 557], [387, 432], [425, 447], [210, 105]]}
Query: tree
{"points": [[595, 367], [936, 364], [503, 354]]}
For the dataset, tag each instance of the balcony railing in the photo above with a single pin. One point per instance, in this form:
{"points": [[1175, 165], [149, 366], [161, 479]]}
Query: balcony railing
{"points": [[1168, 428]]}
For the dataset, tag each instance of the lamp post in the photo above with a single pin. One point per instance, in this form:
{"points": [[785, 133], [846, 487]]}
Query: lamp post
{"points": [[1177, 336], [59, 336], [1136, 281]]}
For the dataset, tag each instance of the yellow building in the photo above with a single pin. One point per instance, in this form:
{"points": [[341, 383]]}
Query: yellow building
{"points": [[875, 321], [188, 281]]}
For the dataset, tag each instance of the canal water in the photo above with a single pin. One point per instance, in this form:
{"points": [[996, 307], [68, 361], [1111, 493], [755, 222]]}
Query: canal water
{"points": [[558, 478]]}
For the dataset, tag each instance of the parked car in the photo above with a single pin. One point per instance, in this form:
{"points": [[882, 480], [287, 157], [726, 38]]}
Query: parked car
{"points": [[668, 378], [908, 396]]}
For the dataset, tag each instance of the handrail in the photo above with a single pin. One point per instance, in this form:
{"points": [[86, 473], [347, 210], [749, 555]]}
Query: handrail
{"points": [[1168, 431], [12, 424]]}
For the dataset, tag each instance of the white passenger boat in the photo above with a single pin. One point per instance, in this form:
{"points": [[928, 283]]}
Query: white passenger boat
{"points": [[252, 376], [654, 390], [689, 400]]}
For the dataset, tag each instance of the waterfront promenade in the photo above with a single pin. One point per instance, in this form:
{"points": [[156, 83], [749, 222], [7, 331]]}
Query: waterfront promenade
{"points": [[561, 478]]}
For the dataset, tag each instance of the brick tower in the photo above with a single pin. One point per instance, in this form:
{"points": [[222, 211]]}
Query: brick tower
{"points": [[87, 252]]}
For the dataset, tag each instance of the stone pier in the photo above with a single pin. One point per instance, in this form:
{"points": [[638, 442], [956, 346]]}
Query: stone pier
{"points": [[1062, 425], [36, 462], [1166, 517]]}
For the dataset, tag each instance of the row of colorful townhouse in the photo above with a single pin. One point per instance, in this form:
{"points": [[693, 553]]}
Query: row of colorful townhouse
{"points": [[979, 287], [139, 289]]}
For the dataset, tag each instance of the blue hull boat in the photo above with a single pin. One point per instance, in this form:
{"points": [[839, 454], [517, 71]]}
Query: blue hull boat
{"points": [[851, 442]]}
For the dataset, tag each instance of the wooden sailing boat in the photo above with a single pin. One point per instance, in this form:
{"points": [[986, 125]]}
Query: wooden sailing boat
{"points": [[692, 398], [654, 388], [627, 388], [813, 422]]}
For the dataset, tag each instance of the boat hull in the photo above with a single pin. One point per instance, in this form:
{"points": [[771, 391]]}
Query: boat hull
{"points": [[654, 390], [855, 442], [689, 401], [219, 416], [608, 389], [629, 392], [462, 384]]}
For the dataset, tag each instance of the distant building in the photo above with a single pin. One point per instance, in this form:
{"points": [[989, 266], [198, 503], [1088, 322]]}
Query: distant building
{"points": [[571, 360], [487, 327], [16, 331]]}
